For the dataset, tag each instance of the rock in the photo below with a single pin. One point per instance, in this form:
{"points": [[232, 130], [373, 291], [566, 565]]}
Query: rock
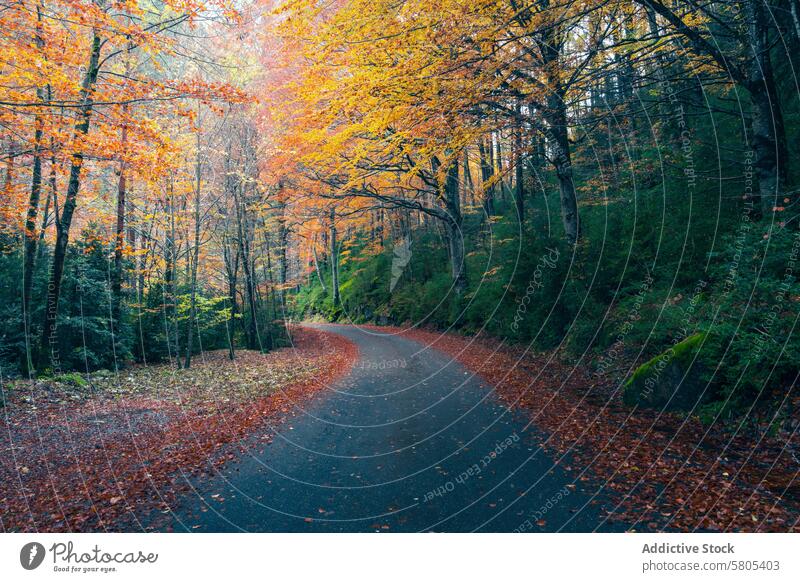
{"points": [[672, 380]]}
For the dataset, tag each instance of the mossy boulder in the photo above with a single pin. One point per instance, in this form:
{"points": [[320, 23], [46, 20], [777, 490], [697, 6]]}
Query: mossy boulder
{"points": [[72, 379], [672, 380]]}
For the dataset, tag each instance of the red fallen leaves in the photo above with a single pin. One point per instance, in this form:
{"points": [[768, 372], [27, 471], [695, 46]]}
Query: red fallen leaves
{"points": [[98, 464], [662, 471]]}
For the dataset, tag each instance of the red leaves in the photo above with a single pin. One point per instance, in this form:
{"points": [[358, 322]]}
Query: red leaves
{"points": [[662, 471], [98, 464]]}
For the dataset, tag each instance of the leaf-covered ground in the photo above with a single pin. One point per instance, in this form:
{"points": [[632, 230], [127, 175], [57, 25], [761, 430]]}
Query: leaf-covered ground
{"points": [[97, 455], [664, 472]]}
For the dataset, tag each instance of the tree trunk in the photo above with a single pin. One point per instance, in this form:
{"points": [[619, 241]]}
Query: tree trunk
{"points": [[795, 10], [232, 270], [469, 185], [170, 275], [52, 198], [195, 258], [48, 348], [282, 243], [519, 187], [487, 173], [755, 75], [334, 260], [769, 134], [562, 161], [119, 240], [316, 264], [31, 236], [269, 277], [455, 235], [243, 232]]}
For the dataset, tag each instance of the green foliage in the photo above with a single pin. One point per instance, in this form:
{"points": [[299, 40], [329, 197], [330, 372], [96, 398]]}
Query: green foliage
{"points": [[663, 379], [753, 352], [87, 340], [641, 282], [73, 378], [162, 323]]}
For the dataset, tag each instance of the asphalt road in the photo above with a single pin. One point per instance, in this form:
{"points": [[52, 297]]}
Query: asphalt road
{"points": [[408, 441]]}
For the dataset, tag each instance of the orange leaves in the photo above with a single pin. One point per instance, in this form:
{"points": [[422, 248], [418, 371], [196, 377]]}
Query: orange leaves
{"points": [[112, 471], [146, 90], [663, 470]]}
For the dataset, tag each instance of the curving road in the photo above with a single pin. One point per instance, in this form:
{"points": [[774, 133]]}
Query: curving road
{"points": [[408, 441]]}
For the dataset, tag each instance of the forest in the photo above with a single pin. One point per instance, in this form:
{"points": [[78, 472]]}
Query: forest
{"points": [[610, 184]]}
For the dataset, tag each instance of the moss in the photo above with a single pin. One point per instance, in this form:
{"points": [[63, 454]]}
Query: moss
{"points": [[684, 352], [681, 354], [72, 378]]}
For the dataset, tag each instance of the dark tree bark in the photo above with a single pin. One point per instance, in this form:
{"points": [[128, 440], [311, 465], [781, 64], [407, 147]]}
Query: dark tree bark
{"points": [[170, 276], [284, 265], [756, 76], [231, 272], [469, 185], [48, 348], [487, 173], [316, 265], [452, 221], [334, 259], [454, 230], [31, 236], [557, 132], [519, 176], [769, 133], [249, 282], [195, 259], [119, 239], [562, 161]]}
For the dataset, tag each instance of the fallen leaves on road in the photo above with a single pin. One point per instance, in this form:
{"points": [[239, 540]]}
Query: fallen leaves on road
{"points": [[97, 459], [661, 470]]}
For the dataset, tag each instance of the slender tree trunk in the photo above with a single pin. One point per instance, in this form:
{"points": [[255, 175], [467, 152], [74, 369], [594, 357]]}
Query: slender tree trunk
{"points": [[48, 348], [487, 173], [316, 264], [251, 328], [562, 160], [497, 162], [469, 185], [284, 265], [232, 270], [795, 10], [270, 278], [31, 236], [10, 171], [334, 260], [170, 276], [453, 220], [519, 160], [769, 134], [52, 198], [44, 223], [119, 240], [195, 259], [556, 116]]}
